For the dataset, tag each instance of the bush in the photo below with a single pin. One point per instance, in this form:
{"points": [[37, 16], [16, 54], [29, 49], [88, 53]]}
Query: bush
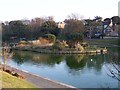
{"points": [[22, 42], [51, 37], [59, 45], [76, 36]]}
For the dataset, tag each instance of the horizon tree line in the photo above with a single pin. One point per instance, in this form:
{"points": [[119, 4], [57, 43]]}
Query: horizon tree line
{"points": [[74, 29]]}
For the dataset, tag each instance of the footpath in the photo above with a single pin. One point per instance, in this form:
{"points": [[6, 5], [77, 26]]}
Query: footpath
{"points": [[41, 82]]}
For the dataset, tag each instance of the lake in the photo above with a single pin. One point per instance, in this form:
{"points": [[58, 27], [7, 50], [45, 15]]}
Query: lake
{"points": [[81, 71]]}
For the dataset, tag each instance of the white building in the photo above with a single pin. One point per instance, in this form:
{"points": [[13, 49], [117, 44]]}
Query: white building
{"points": [[61, 25]]}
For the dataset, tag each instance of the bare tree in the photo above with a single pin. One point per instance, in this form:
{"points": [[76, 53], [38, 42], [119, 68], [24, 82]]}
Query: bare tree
{"points": [[113, 70], [75, 16], [73, 24], [50, 18], [37, 21]]}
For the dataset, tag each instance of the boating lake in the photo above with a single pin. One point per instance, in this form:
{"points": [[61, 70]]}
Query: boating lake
{"points": [[81, 71]]}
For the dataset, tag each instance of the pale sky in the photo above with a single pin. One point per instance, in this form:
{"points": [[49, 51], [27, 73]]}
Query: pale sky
{"points": [[60, 9]]}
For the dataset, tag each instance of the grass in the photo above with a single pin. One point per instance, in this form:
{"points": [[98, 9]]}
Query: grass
{"points": [[111, 41], [9, 81]]}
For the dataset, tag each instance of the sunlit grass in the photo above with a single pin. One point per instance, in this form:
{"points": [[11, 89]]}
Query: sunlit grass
{"points": [[9, 81]]}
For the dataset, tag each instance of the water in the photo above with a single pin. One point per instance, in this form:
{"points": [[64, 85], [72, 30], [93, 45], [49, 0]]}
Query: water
{"points": [[82, 71]]}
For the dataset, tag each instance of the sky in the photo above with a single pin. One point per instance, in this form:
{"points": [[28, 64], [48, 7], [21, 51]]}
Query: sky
{"points": [[59, 9]]}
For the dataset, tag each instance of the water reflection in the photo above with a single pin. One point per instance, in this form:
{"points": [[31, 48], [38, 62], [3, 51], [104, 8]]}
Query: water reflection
{"points": [[76, 62], [36, 58]]}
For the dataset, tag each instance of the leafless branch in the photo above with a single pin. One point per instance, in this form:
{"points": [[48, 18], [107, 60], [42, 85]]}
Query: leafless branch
{"points": [[114, 72]]}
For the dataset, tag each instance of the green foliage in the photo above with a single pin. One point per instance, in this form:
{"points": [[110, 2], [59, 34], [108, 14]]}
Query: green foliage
{"points": [[51, 37], [75, 37], [15, 29], [36, 28], [73, 30], [116, 20], [107, 21], [72, 38], [22, 42], [75, 61], [93, 26], [50, 27], [59, 45]]}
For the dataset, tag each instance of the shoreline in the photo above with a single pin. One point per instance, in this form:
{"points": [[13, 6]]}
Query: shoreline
{"points": [[45, 51], [39, 81]]}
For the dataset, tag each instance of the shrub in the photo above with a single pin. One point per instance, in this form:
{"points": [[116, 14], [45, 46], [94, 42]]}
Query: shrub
{"points": [[51, 37], [59, 45], [22, 42], [77, 37]]}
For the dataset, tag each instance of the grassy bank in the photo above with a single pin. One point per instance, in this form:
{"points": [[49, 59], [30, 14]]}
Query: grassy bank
{"points": [[9, 81]]}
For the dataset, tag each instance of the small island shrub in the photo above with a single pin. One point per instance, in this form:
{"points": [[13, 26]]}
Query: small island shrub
{"points": [[51, 37], [59, 45], [22, 42]]}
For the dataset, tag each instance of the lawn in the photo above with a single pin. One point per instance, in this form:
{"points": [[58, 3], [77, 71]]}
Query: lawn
{"points": [[9, 81], [109, 41]]}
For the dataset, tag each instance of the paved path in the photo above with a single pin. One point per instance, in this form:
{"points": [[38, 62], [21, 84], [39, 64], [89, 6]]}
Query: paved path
{"points": [[41, 82]]}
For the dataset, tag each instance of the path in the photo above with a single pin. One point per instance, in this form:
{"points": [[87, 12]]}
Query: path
{"points": [[41, 82]]}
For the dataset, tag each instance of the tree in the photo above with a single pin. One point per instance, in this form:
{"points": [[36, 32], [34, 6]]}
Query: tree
{"points": [[74, 16], [49, 18], [115, 21], [73, 30], [107, 21], [35, 27], [49, 27], [18, 29], [73, 26], [4, 33], [97, 18], [93, 26]]}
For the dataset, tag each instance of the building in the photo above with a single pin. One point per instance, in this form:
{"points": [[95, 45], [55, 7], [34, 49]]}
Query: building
{"points": [[109, 31], [61, 25]]}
